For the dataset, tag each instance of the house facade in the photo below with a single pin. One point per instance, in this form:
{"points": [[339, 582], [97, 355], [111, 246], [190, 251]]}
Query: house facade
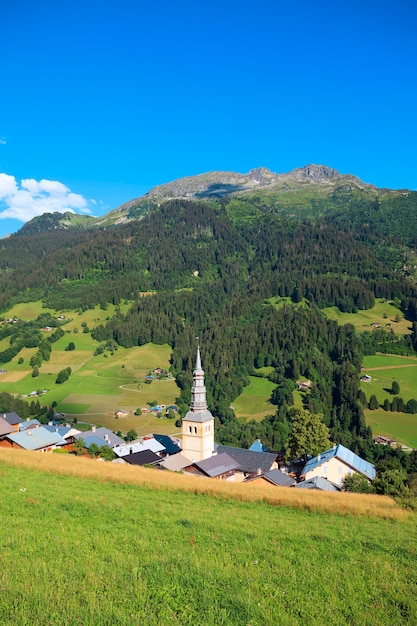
{"points": [[337, 463]]}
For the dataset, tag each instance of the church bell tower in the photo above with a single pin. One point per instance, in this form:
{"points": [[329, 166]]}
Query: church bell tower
{"points": [[198, 424]]}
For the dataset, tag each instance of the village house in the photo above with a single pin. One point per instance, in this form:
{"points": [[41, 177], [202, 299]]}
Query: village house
{"points": [[337, 463], [143, 457], [5, 429], [37, 439], [139, 445], [273, 478], [100, 436], [249, 462], [13, 419], [219, 466]]}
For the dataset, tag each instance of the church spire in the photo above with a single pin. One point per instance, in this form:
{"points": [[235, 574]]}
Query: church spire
{"points": [[198, 390]]}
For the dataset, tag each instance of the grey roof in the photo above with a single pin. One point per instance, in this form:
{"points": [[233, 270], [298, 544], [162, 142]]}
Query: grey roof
{"points": [[36, 438], [175, 462], [114, 440], [29, 424], [5, 427], [88, 441], [249, 461], [319, 483], [343, 454], [12, 418], [199, 416], [277, 477], [217, 465], [141, 458]]}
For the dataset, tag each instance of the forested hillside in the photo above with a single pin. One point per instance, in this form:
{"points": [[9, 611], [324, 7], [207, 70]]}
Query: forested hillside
{"points": [[209, 268]]}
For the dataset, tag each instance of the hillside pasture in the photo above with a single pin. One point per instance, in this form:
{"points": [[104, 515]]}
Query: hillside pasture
{"points": [[254, 401], [383, 313], [98, 385], [384, 369], [399, 426], [138, 546]]}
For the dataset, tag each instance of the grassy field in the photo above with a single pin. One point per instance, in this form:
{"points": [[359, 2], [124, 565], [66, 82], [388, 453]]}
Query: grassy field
{"points": [[98, 385], [253, 402], [382, 312], [95, 543], [384, 369], [399, 426]]}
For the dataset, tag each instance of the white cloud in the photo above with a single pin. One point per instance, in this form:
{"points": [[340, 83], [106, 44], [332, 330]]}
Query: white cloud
{"points": [[2, 141], [32, 197]]}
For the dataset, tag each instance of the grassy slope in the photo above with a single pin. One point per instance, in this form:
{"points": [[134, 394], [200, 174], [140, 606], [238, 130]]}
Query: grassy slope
{"points": [[106, 544], [362, 320], [98, 385], [384, 369]]}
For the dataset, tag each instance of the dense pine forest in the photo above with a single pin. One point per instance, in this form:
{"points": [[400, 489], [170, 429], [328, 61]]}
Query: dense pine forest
{"points": [[216, 269]]}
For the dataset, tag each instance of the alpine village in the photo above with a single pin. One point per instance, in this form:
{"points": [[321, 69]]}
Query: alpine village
{"points": [[208, 406]]}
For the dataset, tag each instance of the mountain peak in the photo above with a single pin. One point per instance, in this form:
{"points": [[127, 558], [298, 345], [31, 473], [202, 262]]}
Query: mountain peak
{"points": [[316, 172]]}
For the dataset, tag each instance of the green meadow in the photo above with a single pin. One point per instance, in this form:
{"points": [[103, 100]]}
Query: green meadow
{"points": [[254, 401], [384, 369], [93, 551], [399, 426], [98, 385], [383, 312]]}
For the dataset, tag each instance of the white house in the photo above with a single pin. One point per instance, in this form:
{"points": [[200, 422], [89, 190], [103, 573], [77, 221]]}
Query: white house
{"points": [[337, 463]]}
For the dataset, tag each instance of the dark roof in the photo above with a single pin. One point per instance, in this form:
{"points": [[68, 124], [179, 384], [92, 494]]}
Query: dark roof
{"points": [[277, 477], [216, 465], [142, 458], [12, 418], [170, 446], [249, 461]]}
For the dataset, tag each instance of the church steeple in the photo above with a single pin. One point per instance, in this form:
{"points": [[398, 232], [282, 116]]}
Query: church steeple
{"points": [[198, 424], [198, 390]]}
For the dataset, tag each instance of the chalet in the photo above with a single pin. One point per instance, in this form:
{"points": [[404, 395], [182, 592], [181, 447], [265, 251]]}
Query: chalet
{"points": [[384, 441], [13, 419], [337, 463], [66, 432], [120, 413], [170, 446], [366, 378], [29, 423], [175, 463], [304, 385], [5, 429], [37, 439], [100, 436], [250, 462], [274, 478], [144, 457], [220, 466], [140, 445]]}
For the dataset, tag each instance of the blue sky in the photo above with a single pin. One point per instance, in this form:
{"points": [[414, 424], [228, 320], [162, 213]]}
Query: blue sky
{"points": [[102, 101]]}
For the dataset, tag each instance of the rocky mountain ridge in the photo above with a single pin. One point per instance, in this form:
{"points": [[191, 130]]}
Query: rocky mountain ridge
{"points": [[295, 188]]}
